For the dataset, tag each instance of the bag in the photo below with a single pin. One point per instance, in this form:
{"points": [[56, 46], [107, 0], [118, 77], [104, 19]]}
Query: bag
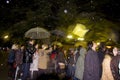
{"points": [[61, 65]]}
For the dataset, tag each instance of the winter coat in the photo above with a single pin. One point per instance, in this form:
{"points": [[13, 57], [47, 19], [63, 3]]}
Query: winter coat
{"points": [[91, 68], [114, 67], [60, 57], [18, 57], [101, 55], [43, 58], [28, 54], [106, 73], [80, 64]]}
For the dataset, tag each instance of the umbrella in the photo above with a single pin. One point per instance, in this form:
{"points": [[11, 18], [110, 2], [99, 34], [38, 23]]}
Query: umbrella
{"points": [[37, 33], [58, 33]]}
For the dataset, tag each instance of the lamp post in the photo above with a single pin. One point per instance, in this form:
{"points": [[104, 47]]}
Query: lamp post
{"points": [[6, 37]]}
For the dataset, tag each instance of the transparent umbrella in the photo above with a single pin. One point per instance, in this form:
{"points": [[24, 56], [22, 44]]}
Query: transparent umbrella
{"points": [[37, 33]]}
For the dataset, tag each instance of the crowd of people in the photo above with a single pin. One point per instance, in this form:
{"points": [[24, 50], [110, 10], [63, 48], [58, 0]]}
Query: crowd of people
{"points": [[33, 61]]}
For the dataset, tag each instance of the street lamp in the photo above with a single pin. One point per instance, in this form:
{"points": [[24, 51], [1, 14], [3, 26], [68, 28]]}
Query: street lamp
{"points": [[6, 37]]}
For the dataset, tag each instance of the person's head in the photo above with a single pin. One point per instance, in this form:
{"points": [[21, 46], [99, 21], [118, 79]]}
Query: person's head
{"points": [[31, 41], [54, 46], [82, 51], [102, 46], [14, 46], [79, 47], [65, 51], [44, 46], [109, 51], [36, 46], [22, 47], [115, 51], [91, 45], [71, 51]]}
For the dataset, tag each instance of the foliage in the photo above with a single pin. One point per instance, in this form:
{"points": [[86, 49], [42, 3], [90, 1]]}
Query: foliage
{"points": [[57, 14]]}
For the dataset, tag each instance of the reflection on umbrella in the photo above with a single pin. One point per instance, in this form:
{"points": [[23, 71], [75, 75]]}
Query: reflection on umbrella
{"points": [[37, 33], [58, 33]]}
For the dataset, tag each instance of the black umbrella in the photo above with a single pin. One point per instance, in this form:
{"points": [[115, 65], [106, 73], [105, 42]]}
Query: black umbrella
{"points": [[58, 33]]}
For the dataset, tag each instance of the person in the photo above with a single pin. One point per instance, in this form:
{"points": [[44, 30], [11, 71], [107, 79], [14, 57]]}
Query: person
{"points": [[77, 52], [71, 63], [34, 65], [18, 60], [106, 73], [28, 58], [43, 61], [101, 55], [115, 62], [80, 64], [53, 58], [11, 61], [60, 61], [91, 65]]}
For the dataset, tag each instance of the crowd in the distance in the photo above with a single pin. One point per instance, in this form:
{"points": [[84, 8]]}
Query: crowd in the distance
{"points": [[42, 62]]}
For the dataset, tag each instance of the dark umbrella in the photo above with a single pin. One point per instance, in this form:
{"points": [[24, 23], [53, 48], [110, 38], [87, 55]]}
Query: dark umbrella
{"points": [[37, 33], [58, 33]]}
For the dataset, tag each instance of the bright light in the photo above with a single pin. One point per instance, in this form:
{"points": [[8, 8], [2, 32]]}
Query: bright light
{"points": [[98, 43], [5, 37], [7, 2], [70, 36], [81, 39], [80, 30], [108, 46], [65, 11]]}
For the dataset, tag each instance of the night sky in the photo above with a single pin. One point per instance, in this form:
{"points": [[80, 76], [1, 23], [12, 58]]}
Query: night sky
{"points": [[110, 8]]}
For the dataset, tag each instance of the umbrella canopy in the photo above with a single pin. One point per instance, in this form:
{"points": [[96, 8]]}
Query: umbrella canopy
{"points": [[37, 33], [58, 33]]}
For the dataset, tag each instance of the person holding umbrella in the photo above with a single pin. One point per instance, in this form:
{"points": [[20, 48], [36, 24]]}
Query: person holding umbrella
{"points": [[34, 65], [28, 58]]}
